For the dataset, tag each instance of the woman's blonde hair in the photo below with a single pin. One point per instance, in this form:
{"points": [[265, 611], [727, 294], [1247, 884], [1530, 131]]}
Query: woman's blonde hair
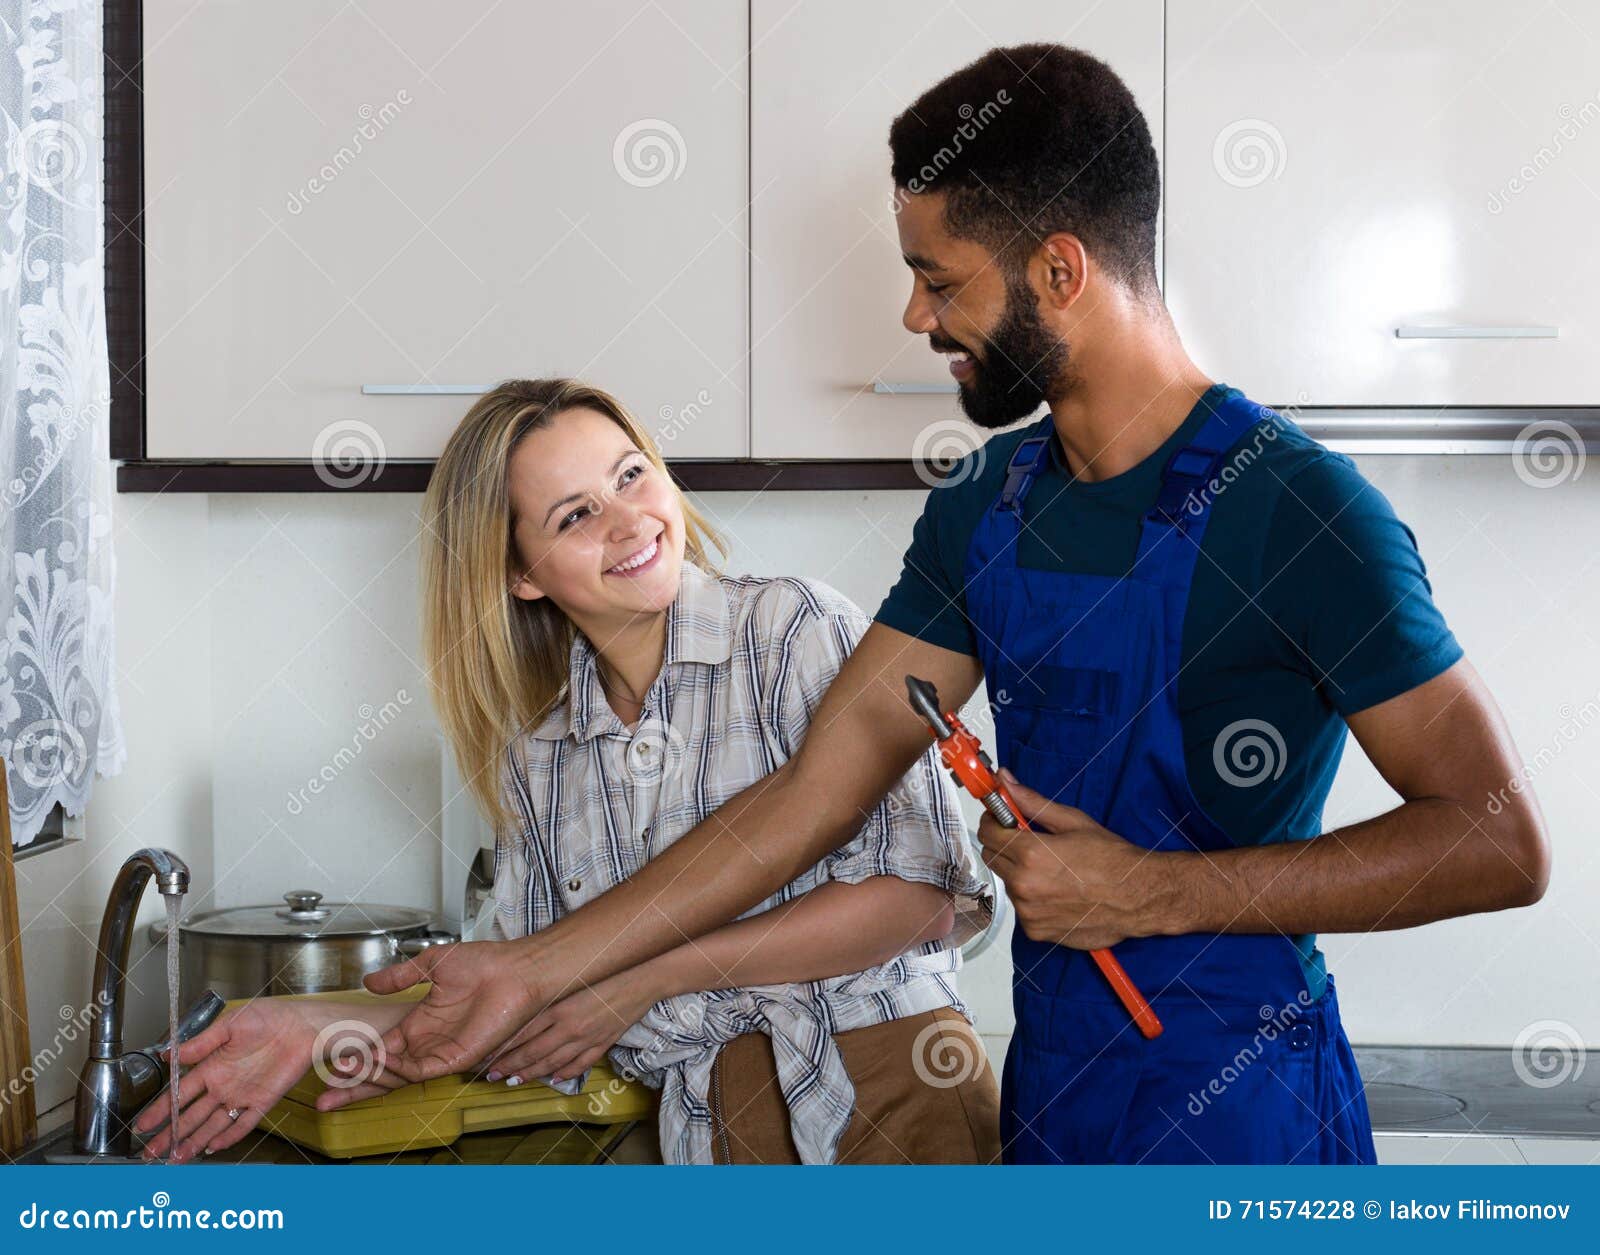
{"points": [[497, 664]]}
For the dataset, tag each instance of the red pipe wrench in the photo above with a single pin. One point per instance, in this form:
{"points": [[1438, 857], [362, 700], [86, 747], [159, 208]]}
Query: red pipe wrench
{"points": [[973, 771]]}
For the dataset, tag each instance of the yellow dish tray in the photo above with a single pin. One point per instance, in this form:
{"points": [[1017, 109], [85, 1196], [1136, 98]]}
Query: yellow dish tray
{"points": [[435, 1113]]}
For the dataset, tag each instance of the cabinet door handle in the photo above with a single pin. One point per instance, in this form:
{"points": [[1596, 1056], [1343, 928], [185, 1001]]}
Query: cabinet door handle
{"points": [[889, 388], [423, 389], [1476, 333]]}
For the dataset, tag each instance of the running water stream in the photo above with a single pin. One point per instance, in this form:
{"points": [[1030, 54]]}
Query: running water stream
{"points": [[174, 903]]}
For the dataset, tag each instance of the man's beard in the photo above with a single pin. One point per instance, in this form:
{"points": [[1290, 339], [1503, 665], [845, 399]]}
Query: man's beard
{"points": [[1023, 364]]}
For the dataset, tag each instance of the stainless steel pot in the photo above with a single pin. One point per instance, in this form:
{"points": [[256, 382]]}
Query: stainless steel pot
{"points": [[302, 947]]}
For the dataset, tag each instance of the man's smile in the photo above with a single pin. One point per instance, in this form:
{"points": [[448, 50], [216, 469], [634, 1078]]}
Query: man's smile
{"points": [[962, 363]]}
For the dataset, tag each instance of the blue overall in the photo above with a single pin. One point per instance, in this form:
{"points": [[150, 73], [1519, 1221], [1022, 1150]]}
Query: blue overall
{"points": [[1082, 673]]}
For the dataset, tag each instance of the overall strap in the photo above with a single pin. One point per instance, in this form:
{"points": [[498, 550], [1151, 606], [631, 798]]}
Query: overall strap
{"points": [[1031, 457], [1169, 537], [996, 536]]}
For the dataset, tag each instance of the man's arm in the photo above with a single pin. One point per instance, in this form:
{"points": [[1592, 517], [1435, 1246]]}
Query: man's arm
{"points": [[1445, 851], [862, 739], [837, 928]]}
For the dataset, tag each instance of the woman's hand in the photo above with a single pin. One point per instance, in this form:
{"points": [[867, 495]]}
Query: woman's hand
{"points": [[342, 1090], [575, 1033], [246, 1060]]}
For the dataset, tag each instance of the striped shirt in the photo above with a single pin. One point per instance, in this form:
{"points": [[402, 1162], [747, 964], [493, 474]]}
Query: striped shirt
{"points": [[746, 663]]}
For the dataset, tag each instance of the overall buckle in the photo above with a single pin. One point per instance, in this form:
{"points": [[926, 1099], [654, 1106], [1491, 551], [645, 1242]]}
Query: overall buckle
{"points": [[1026, 462], [1186, 471]]}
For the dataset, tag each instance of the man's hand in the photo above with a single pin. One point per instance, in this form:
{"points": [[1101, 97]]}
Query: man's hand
{"points": [[482, 993], [1071, 881], [1468, 837]]}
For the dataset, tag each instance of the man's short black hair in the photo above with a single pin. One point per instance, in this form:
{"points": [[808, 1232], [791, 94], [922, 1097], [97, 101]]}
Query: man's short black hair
{"points": [[1032, 140]]}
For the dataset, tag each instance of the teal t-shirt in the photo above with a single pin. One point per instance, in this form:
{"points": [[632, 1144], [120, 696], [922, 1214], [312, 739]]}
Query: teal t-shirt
{"points": [[1310, 602]]}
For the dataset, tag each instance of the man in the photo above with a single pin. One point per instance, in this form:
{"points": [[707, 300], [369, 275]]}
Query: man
{"points": [[1180, 602]]}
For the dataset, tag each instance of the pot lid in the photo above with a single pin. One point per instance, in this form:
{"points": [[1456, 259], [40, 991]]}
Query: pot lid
{"points": [[304, 914]]}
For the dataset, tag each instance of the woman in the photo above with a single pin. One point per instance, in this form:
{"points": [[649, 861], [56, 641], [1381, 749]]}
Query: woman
{"points": [[604, 692]]}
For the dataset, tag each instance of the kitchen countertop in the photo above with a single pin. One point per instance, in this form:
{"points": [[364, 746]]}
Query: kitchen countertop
{"points": [[1447, 1091], [1479, 1091], [538, 1144]]}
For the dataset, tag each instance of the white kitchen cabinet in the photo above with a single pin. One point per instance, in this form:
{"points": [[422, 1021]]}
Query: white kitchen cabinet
{"points": [[1340, 173], [415, 194], [827, 283]]}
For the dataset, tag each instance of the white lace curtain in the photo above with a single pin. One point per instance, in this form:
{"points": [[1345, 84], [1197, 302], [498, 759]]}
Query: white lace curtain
{"points": [[58, 712]]}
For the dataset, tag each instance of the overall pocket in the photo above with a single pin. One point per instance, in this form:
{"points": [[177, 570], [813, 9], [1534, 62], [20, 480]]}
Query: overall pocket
{"points": [[1072, 1093], [1057, 730], [1057, 776]]}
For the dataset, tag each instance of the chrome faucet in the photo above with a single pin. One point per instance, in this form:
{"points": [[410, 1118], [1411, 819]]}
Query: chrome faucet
{"points": [[114, 1087]]}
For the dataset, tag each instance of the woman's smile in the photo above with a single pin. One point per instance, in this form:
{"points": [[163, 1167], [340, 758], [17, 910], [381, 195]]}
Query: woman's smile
{"points": [[639, 561]]}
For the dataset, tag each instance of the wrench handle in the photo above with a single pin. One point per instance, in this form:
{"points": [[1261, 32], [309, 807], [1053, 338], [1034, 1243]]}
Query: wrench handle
{"points": [[1127, 992], [1138, 1006]]}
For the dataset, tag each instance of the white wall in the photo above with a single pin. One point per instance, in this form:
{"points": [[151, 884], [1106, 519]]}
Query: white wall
{"points": [[259, 635], [163, 797], [1516, 570]]}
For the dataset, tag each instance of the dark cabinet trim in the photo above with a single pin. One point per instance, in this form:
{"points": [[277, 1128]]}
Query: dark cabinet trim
{"points": [[123, 56], [1376, 431], [173, 476]]}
